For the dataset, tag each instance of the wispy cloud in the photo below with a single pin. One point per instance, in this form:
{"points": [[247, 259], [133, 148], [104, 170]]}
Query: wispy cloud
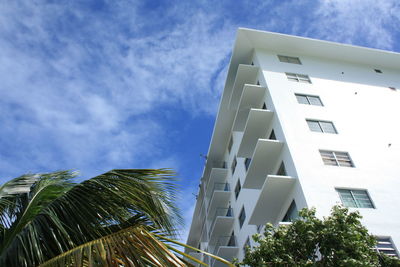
{"points": [[95, 85], [362, 22]]}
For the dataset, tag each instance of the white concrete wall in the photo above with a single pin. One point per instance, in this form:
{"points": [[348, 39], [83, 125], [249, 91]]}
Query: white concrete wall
{"points": [[365, 113]]}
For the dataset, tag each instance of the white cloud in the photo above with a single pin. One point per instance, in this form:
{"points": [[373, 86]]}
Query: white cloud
{"points": [[363, 22], [85, 95]]}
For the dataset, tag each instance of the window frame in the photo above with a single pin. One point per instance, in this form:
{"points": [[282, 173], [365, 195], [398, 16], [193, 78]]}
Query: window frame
{"points": [[298, 77], [335, 158], [380, 239], [320, 125], [289, 59], [354, 198], [308, 97]]}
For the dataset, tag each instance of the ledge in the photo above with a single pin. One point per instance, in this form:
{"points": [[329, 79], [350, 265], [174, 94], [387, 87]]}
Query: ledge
{"points": [[272, 197]]}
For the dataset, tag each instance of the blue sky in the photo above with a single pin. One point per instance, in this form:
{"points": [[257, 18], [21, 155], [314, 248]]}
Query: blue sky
{"points": [[98, 85]]}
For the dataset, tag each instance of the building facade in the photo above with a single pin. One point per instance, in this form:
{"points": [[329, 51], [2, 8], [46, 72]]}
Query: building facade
{"points": [[301, 123]]}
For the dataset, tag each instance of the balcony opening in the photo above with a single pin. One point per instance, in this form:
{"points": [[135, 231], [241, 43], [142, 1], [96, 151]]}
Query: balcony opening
{"points": [[272, 135], [292, 213], [238, 187], [282, 170], [247, 162], [264, 106]]}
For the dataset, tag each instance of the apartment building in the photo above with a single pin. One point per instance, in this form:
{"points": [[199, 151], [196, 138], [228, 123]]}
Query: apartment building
{"points": [[301, 123]]}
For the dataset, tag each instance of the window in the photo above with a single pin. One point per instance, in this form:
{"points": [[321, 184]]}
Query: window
{"points": [[242, 217], [291, 214], [321, 126], [377, 71], [230, 145], [309, 100], [233, 166], [247, 162], [281, 170], [246, 245], [272, 136], [286, 59], [259, 228], [238, 187], [385, 245], [302, 78], [335, 158], [354, 198]]}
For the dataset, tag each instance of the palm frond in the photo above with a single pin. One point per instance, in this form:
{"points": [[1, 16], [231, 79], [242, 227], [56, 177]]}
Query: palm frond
{"points": [[89, 211], [134, 246], [23, 198]]}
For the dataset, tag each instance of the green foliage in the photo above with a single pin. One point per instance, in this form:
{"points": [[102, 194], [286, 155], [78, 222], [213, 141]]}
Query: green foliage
{"points": [[337, 240], [43, 216]]}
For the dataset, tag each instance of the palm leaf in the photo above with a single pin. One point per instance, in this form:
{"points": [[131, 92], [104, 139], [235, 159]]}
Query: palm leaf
{"points": [[134, 246], [88, 211]]}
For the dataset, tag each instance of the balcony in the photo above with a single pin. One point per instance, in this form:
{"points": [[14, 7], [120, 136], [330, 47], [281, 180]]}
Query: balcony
{"points": [[263, 162], [196, 255], [257, 124], [246, 74], [252, 97], [217, 175], [220, 197], [272, 197], [221, 224], [213, 165], [226, 247]]}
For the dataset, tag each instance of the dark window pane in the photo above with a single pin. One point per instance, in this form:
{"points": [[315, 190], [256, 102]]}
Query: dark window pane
{"points": [[314, 126], [327, 127], [314, 100], [302, 99]]}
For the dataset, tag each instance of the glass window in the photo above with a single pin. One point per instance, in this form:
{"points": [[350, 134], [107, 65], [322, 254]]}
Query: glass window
{"points": [[302, 78], [321, 126], [385, 245], [302, 99], [287, 59], [309, 100], [242, 217], [335, 158], [354, 198]]}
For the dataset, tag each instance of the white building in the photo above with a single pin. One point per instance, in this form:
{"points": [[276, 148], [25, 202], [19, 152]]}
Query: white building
{"points": [[302, 123]]}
